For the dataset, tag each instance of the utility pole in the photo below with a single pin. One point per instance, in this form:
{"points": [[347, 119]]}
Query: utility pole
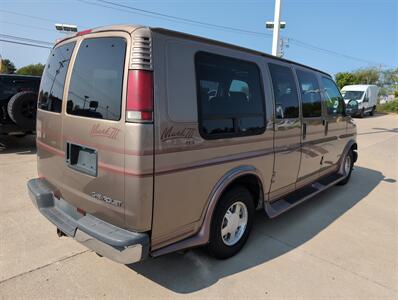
{"points": [[275, 37], [276, 26]]}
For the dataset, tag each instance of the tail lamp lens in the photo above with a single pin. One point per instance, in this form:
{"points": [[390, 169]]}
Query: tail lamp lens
{"points": [[139, 96]]}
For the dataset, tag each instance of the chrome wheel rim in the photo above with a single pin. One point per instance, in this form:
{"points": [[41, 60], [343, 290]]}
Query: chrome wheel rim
{"points": [[234, 223], [347, 165]]}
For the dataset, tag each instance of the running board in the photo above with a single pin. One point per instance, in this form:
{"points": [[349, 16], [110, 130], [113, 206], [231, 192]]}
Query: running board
{"points": [[277, 207]]}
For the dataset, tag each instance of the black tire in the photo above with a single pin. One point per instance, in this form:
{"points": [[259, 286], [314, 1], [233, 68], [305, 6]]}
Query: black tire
{"points": [[22, 109], [362, 113], [20, 135], [350, 154], [372, 112], [216, 245]]}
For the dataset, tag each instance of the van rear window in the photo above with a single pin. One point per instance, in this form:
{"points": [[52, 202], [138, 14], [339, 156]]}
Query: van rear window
{"points": [[53, 79], [96, 84]]}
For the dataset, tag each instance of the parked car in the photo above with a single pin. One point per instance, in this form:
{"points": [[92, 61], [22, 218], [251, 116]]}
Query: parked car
{"points": [[364, 94], [152, 141], [18, 101]]}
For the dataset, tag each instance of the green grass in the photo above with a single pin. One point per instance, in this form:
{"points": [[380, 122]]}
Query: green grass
{"points": [[391, 106]]}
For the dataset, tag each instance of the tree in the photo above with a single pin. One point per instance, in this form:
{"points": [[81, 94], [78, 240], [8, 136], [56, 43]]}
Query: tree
{"points": [[32, 69], [7, 67], [361, 76], [367, 76], [344, 78]]}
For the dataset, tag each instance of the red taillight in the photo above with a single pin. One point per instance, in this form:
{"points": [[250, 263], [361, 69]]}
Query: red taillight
{"points": [[81, 211], [139, 96], [83, 32]]}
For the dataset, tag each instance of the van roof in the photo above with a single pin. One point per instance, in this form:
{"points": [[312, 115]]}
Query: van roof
{"points": [[223, 44], [357, 87], [131, 28]]}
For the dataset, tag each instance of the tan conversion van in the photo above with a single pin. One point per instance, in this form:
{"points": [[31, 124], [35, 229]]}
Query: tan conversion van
{"points": [[151, 141]]}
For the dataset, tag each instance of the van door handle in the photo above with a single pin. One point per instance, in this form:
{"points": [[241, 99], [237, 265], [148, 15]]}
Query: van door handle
{"points": [[326, 124], [304, 130]]}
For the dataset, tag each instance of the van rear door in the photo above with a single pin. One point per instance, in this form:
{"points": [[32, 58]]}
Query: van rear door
{"points": [[93, 129]]}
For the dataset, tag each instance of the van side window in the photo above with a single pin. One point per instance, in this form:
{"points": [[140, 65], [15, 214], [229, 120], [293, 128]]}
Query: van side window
{"points": [[230, 97], [310, 94], [285, 92], [334, 100], [53, 79], [96, 84]]}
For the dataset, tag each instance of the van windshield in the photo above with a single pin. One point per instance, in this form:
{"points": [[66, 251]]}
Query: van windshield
{"points": [[352, 95]]}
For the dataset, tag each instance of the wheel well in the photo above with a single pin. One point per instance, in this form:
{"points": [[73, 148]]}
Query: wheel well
{"points": [[252, 183], [354, 147]]}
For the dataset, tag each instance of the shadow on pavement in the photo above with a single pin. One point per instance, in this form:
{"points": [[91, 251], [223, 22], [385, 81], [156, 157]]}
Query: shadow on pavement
{"points": [[195, 270], [376, 115], [380, 130], [19, 145]]}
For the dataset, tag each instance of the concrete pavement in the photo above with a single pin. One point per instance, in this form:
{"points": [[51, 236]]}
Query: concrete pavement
{"points": [[343, 243]]}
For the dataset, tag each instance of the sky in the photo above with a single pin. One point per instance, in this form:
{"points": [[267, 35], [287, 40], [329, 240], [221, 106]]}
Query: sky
{"points": [[331, 35]]}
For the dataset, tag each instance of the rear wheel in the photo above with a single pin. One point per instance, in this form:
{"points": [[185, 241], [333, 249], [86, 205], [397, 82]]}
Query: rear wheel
{"points": [[22, 109], [347, 169], [232, 222], [372, 112], [362, 113]]}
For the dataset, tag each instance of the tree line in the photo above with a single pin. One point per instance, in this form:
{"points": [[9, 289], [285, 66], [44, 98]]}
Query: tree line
{"points": [[386, 79], [8, 67]]}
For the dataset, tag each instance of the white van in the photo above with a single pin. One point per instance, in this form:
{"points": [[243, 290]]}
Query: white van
{"points": [[365, 94]]}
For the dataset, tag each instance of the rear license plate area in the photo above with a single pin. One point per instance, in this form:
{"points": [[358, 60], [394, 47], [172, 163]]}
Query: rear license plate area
{"points": [[82, 159]]}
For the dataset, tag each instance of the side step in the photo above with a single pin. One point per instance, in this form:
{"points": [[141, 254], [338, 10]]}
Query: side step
{"points": [[277, 207]]}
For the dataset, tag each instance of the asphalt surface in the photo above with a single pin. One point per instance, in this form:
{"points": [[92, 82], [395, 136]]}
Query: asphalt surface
{"points": [[342, 243]]}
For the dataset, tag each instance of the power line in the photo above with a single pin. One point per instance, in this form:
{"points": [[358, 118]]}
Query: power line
{"points": [[25, 44], [53, 21], [144, 12], [28, 26], [148, 13], [25, 39], [28, 16], [318, 49]]}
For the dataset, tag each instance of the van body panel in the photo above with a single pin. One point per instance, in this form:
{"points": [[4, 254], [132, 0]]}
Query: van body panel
{"points": [[50, 148], [335, 129], [287, 142], [187, 166], [121, 162], [138, 162], [312, 131]]}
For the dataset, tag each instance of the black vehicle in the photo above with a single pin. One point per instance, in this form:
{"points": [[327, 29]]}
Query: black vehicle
{"points": [[18, 101]]}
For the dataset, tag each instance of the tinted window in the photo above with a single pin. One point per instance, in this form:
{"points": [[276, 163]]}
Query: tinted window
{"points": [[285, 93], [333, 98], [96, 85], [310, 94], [53, 79], [231, 101]]}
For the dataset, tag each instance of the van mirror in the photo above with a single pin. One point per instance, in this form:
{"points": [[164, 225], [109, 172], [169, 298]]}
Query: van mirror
{"points": [[351, 107]]}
